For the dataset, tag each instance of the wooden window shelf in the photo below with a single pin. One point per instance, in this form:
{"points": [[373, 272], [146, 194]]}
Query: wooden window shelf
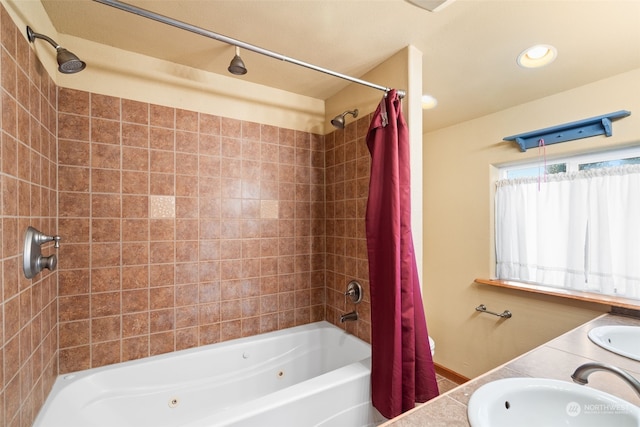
{"points": [[564, 293]]}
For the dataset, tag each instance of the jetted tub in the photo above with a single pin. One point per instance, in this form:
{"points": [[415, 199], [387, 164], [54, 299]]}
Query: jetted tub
{"points": [[310, 375]]}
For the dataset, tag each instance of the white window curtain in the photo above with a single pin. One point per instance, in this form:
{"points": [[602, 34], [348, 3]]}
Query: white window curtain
{"points": [[577, 231]]}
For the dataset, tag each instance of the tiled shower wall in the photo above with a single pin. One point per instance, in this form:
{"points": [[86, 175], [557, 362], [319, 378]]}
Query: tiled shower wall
{"points": [[347, 188], [28, 309], [178, 228], [182, 229]]}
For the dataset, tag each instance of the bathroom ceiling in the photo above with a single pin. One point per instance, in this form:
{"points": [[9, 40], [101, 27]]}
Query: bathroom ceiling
{"points": [[469, 47]]}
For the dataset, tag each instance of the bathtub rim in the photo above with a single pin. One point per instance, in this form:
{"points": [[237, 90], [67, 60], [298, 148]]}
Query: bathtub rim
{"points": [[61, 381]]}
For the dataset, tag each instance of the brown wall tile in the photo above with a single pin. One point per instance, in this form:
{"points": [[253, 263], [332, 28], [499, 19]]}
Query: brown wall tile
{"points": [[105, 353], [132, 286], [135, 135], [28, 169], [135, 348], [135, 112]]}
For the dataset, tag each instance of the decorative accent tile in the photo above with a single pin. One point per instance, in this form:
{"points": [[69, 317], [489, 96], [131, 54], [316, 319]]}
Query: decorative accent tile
{"points": [[269, 209], [163, 206]]}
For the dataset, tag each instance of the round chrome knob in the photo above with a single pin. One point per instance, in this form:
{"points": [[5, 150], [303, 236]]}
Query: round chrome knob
{"points": [[49, 262]]}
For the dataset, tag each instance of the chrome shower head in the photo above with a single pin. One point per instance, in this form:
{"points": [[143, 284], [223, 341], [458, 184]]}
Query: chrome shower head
{"points": [[338, 121], [68, 63], [237, 66]]}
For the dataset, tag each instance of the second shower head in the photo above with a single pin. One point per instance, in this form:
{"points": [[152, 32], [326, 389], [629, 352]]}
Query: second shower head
{"points": [[237, 66], [338, 121]]}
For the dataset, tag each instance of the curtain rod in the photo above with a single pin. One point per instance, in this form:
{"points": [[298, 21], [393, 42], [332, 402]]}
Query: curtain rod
{"points": [[201, 31]]}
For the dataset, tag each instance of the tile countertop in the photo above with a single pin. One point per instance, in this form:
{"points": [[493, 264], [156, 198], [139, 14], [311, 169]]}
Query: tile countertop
{"points": [[556, 359]]}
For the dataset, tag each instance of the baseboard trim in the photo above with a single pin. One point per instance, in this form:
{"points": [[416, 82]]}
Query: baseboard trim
{"points": [[450, 375]]}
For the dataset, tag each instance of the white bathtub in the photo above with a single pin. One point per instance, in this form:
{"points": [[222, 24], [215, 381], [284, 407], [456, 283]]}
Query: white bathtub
{"points": [[311, 375]]}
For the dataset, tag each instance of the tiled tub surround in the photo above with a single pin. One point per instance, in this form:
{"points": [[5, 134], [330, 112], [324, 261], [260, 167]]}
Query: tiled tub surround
{"points": [[178, 228], [556, 359], [182, 229], [347, 188], [28, 309]]}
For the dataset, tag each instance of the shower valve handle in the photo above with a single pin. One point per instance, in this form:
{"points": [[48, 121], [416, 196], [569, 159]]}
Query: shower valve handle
{"points": [[354, 292], [41, 238], [33, 260], [48, 262]]}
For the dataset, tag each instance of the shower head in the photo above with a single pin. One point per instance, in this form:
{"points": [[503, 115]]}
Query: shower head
{"points": [[338, 121], [237, 64], [68, 63]]}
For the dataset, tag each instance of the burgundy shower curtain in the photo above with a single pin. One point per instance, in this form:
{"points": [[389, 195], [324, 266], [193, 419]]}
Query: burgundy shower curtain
{"points": [[402, 367]]}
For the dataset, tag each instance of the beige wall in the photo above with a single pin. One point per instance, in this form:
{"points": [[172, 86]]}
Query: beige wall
{"points": [[392, 73], [458, 166], [128, 75]]}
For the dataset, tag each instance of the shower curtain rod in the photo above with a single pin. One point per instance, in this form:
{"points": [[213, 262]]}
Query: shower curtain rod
{"points": [[201, 31]]}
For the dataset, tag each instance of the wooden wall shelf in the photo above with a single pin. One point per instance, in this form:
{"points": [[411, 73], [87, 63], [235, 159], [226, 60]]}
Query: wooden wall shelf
{"points": [[600, 125]]}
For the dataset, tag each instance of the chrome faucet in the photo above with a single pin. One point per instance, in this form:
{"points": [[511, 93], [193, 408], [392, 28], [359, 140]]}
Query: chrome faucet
{"points": [[349, 317], [582, 373]]}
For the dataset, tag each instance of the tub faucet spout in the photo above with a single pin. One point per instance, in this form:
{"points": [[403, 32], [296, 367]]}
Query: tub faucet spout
{"points": [[349, 317], [582, 373]]}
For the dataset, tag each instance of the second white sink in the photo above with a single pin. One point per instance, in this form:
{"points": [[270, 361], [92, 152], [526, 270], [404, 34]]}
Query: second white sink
{"points": [[619, 339], [538, 402]]}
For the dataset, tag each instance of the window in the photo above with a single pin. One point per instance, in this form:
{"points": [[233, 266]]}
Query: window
{"points": [[571, 164], [572, 223]]}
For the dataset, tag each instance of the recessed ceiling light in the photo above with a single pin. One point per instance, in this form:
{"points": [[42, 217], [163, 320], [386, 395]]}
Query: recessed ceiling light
{"points": [[537, 56], [428, 102]]}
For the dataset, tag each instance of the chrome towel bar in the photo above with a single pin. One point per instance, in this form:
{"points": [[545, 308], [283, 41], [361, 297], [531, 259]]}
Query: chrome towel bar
{"points": [[483, 309]]}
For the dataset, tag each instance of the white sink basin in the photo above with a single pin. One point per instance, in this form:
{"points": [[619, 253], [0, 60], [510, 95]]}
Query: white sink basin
{"points": [[622, 340], [538, 402]]}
